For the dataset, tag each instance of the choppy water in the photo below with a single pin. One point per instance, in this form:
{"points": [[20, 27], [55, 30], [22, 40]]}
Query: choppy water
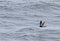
{"points": [[19, 20]]}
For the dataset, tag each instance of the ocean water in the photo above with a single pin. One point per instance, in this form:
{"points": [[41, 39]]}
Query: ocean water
{"points": [[19, 20]]}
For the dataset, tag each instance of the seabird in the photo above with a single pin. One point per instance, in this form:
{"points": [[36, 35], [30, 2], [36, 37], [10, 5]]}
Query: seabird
{"points": [[42, 23]]}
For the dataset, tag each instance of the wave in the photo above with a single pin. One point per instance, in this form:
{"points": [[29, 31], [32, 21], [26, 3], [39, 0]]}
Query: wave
{"points": [[38, 6], [39, 35]]}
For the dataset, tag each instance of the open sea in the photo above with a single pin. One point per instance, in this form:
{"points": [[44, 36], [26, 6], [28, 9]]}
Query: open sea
{"points": [[19, 20]]}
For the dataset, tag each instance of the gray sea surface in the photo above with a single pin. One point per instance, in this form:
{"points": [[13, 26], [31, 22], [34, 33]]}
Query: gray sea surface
{"points": [[19, 20]]}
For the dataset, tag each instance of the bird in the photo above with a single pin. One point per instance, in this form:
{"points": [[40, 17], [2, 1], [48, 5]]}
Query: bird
{"points": [[42, 23]]}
